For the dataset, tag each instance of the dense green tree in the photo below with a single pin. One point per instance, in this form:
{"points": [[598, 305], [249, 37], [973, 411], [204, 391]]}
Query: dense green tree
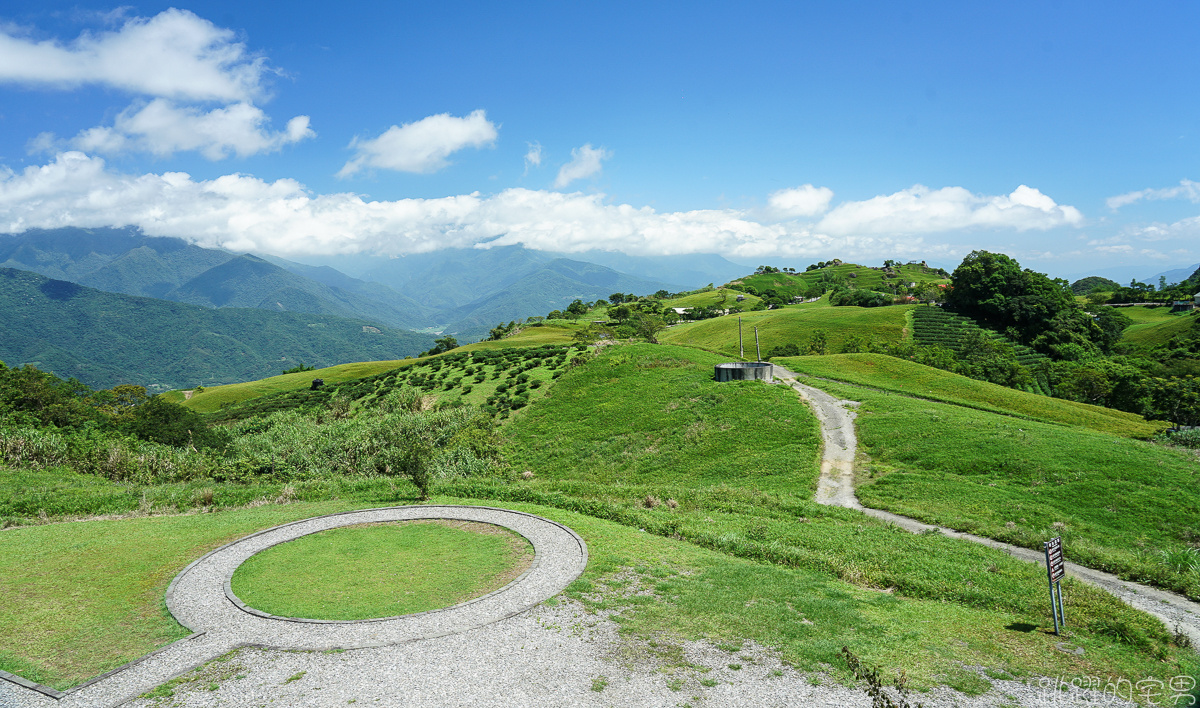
{"points": [[161, 421], [442, 345], [28, 395], [577, 308], [993, 288]]}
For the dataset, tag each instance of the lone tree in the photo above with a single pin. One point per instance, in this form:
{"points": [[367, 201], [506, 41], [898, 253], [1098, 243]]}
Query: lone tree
{"points": [[442, 345]]}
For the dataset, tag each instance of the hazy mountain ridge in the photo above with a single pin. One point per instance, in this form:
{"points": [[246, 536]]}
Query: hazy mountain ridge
{"points": [[463, 292], [105, 339]]}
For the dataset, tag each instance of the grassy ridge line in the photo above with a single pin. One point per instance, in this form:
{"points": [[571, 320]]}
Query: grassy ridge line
{"points": [[714, 298], [211, 399], [866, 277], [793, 324], [895, 375]]}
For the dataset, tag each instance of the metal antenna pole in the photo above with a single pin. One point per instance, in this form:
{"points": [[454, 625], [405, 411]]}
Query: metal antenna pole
{"points": [[756, 347], [741, 347]]}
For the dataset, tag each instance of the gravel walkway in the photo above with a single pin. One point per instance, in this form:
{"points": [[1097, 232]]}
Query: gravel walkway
{"points": [[201, 600], [836, 488]]}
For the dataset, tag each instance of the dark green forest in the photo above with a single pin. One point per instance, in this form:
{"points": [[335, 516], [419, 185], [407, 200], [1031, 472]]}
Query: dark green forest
{"points": [[105, 340]]}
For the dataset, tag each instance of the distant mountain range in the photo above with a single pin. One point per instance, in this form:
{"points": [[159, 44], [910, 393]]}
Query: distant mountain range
{"points": [[461, 292], [1148, 274], [104, 339]]}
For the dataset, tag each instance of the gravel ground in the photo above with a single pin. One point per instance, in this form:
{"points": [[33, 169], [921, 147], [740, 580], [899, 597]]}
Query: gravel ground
{"points": [[549, 656]]}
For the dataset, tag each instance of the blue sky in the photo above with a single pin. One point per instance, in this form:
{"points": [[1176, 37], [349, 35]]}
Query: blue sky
{"points": [[1063, 134]]}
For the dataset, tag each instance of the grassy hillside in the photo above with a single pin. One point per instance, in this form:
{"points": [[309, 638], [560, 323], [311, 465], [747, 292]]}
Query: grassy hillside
{"points": [[1154, 327], [789, 285], [1121, 505], [898, 375], [694, 498], [719, 297], [212, 398], [104, 339], [793, 324]]}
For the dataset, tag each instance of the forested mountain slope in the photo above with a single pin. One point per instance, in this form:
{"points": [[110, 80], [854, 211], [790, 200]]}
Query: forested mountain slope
{"points": [[105, 339]]}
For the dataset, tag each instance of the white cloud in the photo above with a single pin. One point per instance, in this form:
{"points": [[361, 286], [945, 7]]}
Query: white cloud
{"points": [[805, 200], [1187, 189], [242, 212], [162, 128], [533, 158], [422, 146], [922, 210], [174, 54], [585, 162]]}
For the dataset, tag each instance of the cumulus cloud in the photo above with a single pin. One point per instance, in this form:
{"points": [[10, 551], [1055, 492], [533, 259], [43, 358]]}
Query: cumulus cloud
{"points": [[585, 162], [1187, 189], [805, 200], [244, 213], [533, 158], [162, 128], [923, 210], [422, 146], [174, 54]]}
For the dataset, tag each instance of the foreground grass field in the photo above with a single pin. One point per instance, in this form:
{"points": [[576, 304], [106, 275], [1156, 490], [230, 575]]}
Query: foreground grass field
{"points": [[381, 570], [792, 325], [695, 500], [1121, 505], [888, 373], [688, 592]]}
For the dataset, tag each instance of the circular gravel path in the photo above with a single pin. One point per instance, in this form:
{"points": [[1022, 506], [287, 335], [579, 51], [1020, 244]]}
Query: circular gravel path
{"points": [[201, 599]]}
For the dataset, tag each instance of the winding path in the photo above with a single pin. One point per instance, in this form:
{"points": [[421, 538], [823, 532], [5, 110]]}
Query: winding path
{"points": [[201, 599], [836, 488]]}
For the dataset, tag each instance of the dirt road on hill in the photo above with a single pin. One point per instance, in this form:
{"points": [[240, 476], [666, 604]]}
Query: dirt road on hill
{"points": [[836, 488]]}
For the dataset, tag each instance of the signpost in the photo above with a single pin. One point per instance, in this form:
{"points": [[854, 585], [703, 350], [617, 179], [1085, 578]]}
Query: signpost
{"points": [[1055, 570]]}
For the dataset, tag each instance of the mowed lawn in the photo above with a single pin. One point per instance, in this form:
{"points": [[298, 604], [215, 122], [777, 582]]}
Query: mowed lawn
{"points": [[792, 325]]}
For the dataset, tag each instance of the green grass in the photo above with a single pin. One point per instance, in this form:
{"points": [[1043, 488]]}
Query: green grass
{"points": [[651, 417], [742, 553], [1156, 328], [789, 285], [558, 333], [793, 324], [112, 575], [381, 570], [663, 588], [719, 297], [211, 399], [1118, 503], [910, 378]]}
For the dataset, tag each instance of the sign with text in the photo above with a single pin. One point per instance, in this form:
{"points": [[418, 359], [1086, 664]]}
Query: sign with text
{"points": [[1054, 559]]}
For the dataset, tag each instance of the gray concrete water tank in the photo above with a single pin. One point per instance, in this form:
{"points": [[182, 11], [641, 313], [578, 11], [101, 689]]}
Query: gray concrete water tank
{"points": [[744, 371]]}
